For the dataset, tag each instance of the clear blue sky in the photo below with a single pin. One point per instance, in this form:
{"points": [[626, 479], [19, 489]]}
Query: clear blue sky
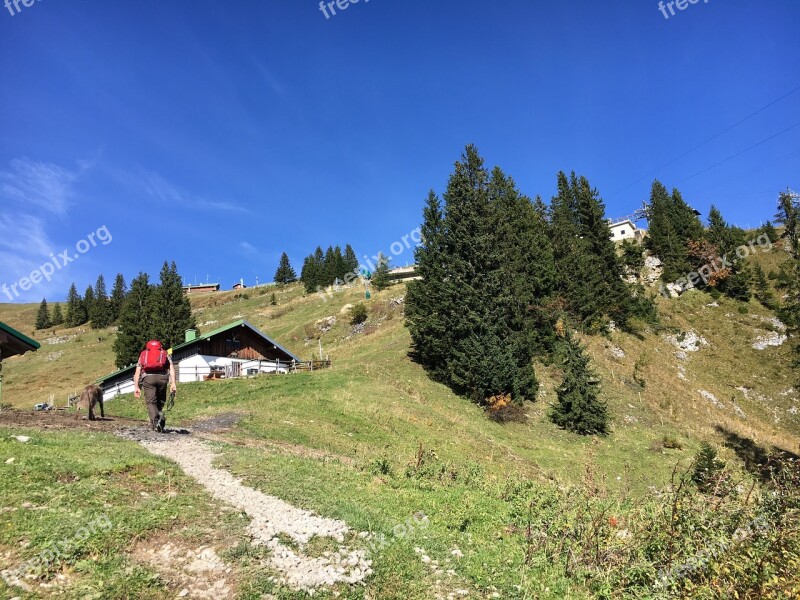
{"points": [[220, 134]]}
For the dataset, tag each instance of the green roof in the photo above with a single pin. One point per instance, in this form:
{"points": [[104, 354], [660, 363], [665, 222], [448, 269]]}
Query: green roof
{"points": [[205, 336], [25, 343]]}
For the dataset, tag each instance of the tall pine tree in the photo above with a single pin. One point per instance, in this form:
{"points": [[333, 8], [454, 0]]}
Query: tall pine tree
{"points": [[135, 322], [100, 314], [789, 216], [285, 273], [43, 316], [380, 279], [464, 323], [88, 302], [58, 316], [170, 308], [76, 311], [117, 297], [579, 408], [350, 260]]}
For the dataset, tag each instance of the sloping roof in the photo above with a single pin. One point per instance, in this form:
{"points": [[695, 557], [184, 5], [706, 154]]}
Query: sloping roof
{"points": [[206, 336], [228, 327], [13, 342]]}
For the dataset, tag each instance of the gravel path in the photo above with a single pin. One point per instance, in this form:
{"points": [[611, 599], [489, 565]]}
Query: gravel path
{"points": [[271, 517]]}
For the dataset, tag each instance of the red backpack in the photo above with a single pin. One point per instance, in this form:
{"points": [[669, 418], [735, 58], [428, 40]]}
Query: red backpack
{"points": [[153, 358]]}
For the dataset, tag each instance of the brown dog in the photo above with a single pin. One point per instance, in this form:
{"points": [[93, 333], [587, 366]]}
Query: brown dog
{"points": [[91, 397]]}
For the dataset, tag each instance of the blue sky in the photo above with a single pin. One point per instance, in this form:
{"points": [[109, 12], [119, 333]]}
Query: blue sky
{"points": [[219, 134]]}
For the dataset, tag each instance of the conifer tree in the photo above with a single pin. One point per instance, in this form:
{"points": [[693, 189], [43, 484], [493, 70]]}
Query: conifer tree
{"points": [[427, 323], [579, 409], [380, 279], [58, 317], [461, 315], [589, 272], [88, 302], [135, 322], [789, 216], [170, 308], [285, 273], [117, 297], [769, 230], [727, 239], [308, 274], [664, 238], [100, 314], [76, 311], [43, 316], [763, 293], [329, 267], [350, 260]]}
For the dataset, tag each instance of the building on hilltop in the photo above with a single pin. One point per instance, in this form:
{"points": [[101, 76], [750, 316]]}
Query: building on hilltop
{"points": [[200, 288], [625, 229]]}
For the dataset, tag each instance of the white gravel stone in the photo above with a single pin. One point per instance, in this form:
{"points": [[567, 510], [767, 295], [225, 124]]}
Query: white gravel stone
{"points": [[271, 517]]}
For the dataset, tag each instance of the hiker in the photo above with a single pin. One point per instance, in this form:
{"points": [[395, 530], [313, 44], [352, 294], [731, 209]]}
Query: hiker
{"points": [[155, 370]]}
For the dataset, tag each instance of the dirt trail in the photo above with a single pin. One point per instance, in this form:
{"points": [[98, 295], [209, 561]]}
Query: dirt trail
{"points": [[271, 517], [273, 520]]}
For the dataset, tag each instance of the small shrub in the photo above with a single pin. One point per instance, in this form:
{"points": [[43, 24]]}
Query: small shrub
{"points": [[671, 442], [381, 466], [272, 300], [502, 409], [707, 469], [358, 314], [743, 309]]}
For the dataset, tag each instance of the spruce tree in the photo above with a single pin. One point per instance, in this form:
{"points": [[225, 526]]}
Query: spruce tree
{"points": [[350, 260], [664, 239], [135, 322], [380, 279], [426, 317], [285, 273], [43, 316], [464, 323], [769, 230], [100, 314], [170, 308], [727, 239], [88, 302], [789, 216], [308, 274], [589, 278], [763, 292], [58, 316], [328, 267], [579, 409], [76, 311], [117, 297]]}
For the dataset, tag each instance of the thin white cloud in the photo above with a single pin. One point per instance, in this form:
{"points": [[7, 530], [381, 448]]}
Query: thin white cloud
{"points": [[158, 187], [35, 196], [28, 183]]}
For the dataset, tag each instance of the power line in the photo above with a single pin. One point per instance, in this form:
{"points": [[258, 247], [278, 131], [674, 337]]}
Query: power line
{"points": [[724, 160], [712, 138]]}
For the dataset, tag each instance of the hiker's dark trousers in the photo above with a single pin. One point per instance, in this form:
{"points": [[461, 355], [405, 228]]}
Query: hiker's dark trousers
{"points": [[155, 396]]}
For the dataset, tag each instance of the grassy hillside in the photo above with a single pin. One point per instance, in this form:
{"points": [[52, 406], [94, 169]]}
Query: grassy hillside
{"points": [[373, 441]]}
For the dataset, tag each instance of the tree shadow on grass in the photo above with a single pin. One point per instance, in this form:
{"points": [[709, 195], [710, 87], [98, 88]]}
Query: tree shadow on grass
{"points": [[759, 461]]}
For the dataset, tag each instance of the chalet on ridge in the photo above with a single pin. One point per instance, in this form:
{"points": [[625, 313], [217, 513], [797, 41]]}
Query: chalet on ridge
{"points": [[235, 350]]}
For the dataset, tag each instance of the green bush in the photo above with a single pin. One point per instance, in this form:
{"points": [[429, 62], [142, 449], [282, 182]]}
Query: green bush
{"points": [[358, 314]]}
